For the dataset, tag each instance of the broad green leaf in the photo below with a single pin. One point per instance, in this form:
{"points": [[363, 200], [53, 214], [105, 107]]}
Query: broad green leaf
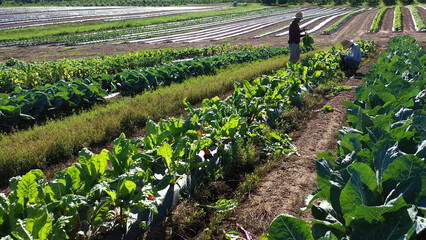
{"points": [[166, 152], [324, 211], [56, 189], [75, 178], [100, 162], [385, 152], [126, 188], [395, 225], [223, 205], [84, 156], [367, 175], [38, 223], [354, 194], [230, 128], [151, 127], [286, 227], [321, 229], [28, 187], [324, 172], [360, 120], [20, 231], [374, 214], [405, 175]]}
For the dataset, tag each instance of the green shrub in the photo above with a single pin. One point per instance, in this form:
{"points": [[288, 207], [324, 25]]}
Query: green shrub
{"points": [[268, 2], [355, 3], [339, 2], [373, 3], [389, 2]]}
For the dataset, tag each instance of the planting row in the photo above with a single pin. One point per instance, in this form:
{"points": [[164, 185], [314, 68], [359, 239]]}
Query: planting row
{"points": [[397, 20], [29, 104], [374, 188], [41, 18], [419, 22], [238, 28], [336, 25], [143, 31], [378, 19], [27, 75], [87, 200]]}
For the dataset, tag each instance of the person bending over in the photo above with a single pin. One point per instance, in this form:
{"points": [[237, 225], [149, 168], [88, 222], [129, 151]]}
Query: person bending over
{"points": [[351, 61]]}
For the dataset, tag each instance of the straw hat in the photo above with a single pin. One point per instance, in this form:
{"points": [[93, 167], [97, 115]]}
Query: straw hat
{"points": [[298, 15], [346, 44]]}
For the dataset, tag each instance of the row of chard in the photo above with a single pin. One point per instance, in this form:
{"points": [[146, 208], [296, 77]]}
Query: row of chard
{"points": [[64, 96], [375, 187], [90, 199]]}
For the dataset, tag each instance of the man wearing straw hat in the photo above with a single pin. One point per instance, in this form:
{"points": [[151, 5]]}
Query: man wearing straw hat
{"points": [[351, 61], [294, 37]]}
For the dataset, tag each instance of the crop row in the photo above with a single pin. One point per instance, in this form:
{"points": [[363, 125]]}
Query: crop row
{"points": [[374, 188], [378, 19], [89, 14], [417, 19], [29, 104], [336, 25], [142, 31], [397, 19], [15, 73], [88, 200]]}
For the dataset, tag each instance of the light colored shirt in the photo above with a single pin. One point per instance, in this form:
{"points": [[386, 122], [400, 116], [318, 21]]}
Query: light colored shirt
{"points": [[354, 53]]}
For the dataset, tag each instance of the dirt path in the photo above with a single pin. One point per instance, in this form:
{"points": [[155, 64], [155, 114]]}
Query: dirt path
{"points": [[387, 21], [407, 20], [285, 188]]}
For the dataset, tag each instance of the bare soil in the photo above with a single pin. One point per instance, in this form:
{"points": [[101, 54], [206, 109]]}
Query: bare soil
{"points": [[387, 21], [407, 20]]}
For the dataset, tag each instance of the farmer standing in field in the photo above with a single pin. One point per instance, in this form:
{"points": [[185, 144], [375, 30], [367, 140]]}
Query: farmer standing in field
{"points": [[294, 37], [351, 61]]}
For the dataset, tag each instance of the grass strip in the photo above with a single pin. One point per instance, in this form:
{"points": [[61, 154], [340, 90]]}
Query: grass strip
{"points": [[378, 19], [72, 28], [42, 146], [397, 19], [417, 19], [336, 25]]}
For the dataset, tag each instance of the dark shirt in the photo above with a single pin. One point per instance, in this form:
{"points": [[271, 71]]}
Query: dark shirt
{"points": [[294, 33]]}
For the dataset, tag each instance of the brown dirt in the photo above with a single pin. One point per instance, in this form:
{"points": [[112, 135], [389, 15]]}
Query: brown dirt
{"points": [[407, 20], [422, 12], [387, 21]]}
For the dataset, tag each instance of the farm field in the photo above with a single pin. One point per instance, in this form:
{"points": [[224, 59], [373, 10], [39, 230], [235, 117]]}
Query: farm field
{"points": [[188, 123], [267, 27]]}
